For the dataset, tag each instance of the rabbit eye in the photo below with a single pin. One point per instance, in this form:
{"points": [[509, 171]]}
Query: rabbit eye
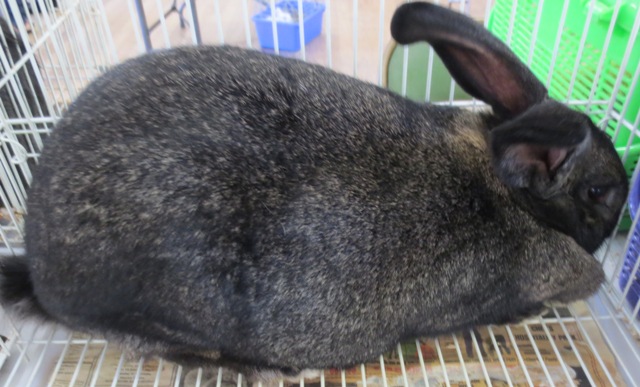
{"points": [[597, 194]]}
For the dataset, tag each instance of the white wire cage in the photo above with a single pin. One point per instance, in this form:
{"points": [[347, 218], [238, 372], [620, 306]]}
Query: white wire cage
{"points": [[64, 44]]}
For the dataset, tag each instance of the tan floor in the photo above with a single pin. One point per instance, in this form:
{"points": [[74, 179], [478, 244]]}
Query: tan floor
{"points": [[233, 29]]}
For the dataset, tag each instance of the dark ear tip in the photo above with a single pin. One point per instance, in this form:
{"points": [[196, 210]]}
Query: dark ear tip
{"points": [[404, 23]]}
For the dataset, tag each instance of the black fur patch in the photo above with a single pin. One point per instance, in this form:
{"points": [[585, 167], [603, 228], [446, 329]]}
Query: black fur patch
{"points": [[16, 288]]}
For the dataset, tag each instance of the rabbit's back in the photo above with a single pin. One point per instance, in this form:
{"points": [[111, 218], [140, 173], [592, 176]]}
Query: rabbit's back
{"points": [[252, 193]]}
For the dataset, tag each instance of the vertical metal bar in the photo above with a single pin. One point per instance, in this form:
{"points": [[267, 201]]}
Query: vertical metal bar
{"points": [[534, 35], [423, 368], [20, 358], [72, 60], [30, 54], [500, 359], [328, 33], [12, 216], [88, 56], [163, 24], [519, 355], [556, 48], [432, 52], [538, 355], [118, 370], [480, 358], [636, 309], [96, 373], [618, 268], [56, 370], [381, 63], [199, 377], [512, 19], [441, 358], [90, 27], [216, 6], [452, 84], [355, 38], [28, 19], [634, 130], [603, 56], [274, 27], [573, 347], [487, 9], [54, 68], [156, 382], [142, 22], [583, 41], [625, 106], [402, 367], [5, 240], [619, 363], [619, 322], [405, 66], [195, 24], [405, 69], [554, 347], [136, 378], [76, 372], [634, 176], [40, 358], [219, 379], [8, 173], [105, 25], [178, 376], [462, 364], [587, 336], [427, 94], [303, 48], [247, 29]]}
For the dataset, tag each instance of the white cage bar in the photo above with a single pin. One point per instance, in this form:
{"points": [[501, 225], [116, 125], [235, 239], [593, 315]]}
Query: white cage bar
{"points": [[67, 43]]}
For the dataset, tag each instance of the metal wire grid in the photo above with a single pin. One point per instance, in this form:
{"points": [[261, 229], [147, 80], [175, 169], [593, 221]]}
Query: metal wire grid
{"points": [[46, 355], [72, 44], [67, 46]]}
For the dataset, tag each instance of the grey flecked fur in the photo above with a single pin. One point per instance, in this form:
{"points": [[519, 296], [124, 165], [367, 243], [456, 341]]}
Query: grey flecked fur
{"points": [[214, 205]]}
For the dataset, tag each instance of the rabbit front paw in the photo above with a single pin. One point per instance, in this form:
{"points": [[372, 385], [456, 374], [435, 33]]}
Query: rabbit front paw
{"points": [[519, 315]]}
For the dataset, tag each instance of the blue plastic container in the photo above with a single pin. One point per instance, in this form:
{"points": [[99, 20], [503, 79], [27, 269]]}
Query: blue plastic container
{"points": [[289, 32], [633, 251]]}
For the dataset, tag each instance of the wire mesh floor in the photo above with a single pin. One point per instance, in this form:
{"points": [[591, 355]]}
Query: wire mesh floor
{"points": [[565, 347]]}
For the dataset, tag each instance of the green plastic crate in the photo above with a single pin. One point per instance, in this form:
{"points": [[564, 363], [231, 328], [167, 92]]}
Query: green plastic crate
{"points": [[538, 51]]}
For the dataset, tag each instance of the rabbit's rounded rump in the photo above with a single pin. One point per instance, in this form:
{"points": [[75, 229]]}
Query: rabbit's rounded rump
{"points": [[215, 205]]}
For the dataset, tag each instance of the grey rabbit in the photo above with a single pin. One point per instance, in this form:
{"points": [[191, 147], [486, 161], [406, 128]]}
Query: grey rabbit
{"points": [[218, 206]]}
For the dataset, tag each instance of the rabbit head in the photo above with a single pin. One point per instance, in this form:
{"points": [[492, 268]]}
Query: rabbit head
{"points": [[557, 163]]}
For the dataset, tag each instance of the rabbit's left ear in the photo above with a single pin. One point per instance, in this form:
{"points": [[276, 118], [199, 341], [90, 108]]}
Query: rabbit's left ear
{"points": [[481, 64], [529, 150]]}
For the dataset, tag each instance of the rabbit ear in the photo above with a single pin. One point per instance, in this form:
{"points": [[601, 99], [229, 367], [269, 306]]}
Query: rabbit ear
{"points": [[529, 150], [481, 64]]}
